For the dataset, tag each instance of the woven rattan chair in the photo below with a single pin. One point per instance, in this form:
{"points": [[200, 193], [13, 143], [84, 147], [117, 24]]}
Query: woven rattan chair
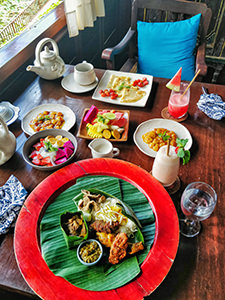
{"points": [[159, 11]]}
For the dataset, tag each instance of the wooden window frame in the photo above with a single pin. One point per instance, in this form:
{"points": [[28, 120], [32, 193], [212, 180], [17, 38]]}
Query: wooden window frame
{"points": [[17, 52]]}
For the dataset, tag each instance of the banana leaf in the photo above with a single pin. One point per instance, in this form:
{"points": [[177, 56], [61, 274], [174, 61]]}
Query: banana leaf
{"points": [[72, 240], [63, 262]]}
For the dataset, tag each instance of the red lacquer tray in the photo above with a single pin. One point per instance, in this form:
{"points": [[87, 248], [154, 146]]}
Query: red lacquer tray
{"points": [[156, 265]]}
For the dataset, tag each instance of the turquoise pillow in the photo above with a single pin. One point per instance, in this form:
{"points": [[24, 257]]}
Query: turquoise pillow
{"points": [[165, 47]]}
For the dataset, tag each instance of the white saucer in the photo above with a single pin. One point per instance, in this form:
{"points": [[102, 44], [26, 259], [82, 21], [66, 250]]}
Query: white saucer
{"points": [[9, 112], [69, 84]]}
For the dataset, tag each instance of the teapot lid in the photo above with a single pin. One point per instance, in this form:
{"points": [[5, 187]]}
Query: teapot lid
{"points": [[47, 54]]}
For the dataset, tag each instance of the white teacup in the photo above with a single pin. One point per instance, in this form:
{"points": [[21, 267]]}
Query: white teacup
{"points": [[102, 148], [84, 73]]}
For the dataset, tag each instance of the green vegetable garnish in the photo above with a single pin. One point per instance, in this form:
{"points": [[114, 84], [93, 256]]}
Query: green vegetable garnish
{"points": [[44, 118], [181, 152], [100, 119], [122, 86], [164, 136], [49, 147]]}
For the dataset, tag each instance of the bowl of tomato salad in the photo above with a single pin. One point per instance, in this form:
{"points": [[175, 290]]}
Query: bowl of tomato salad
{"points": [[50, 149]]}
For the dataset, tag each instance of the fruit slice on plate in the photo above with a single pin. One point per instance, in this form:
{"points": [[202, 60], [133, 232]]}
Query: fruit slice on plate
{"points": [[91, 114], [174, 83]]}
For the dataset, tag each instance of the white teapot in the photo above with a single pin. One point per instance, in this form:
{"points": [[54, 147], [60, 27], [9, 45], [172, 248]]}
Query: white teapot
{"points": [[48, 64], [7, 142]]}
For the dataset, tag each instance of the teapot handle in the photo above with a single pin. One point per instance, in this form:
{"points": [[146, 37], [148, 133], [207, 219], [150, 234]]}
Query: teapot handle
{"points": [[41, 44], [4, 125]]}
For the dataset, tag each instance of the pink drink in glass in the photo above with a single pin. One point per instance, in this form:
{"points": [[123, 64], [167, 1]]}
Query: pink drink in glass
{"points": [[178, 105]]}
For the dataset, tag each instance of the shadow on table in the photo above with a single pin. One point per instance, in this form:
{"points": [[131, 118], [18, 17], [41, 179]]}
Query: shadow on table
{"points": [[180, 271], [6, 295]]}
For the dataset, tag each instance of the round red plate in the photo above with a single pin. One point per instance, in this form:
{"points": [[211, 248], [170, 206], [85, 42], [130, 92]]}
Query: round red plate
{"points": [[156, 265]]}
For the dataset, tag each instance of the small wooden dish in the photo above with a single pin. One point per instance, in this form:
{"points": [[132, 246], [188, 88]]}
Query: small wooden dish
{"points": [[82, 132]]}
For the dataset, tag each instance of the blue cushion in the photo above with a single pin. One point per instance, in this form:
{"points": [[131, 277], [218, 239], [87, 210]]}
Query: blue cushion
{"points": [[165, 47]]}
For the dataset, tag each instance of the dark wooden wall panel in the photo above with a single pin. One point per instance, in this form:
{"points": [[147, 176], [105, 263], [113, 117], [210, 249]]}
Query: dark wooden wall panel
{"points": [[108, 31]]}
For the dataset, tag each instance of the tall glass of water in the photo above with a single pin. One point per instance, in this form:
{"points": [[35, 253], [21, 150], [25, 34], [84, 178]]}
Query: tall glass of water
{"points": [[197, 203]]}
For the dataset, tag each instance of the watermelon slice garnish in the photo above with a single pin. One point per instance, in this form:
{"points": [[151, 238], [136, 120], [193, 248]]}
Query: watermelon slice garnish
{"points": [[174, 83]]}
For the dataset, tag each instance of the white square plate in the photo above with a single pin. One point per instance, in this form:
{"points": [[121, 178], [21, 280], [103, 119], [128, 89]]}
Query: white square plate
{"points": [[105, 79]]}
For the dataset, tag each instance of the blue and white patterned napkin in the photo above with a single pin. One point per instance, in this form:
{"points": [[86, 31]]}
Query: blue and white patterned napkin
{"points": [[212, 105], [12, 196]]}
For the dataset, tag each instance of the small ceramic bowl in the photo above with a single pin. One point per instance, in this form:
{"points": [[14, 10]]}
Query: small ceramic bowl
{"points": [[8, 112], [27, 148], [84, 243]]}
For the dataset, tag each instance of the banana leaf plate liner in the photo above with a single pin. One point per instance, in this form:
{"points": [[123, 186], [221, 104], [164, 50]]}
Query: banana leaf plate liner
{"points": [[64, 262], [155, 267]]}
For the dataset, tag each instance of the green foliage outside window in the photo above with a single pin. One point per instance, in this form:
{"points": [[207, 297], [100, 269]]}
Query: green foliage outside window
{"points": [[11, 9]]}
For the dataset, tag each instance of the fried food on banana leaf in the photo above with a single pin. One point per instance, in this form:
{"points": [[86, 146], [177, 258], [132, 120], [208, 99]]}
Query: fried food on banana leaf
{"points": [[118, 248], [102, 226], [134, 248], [105, 239]]}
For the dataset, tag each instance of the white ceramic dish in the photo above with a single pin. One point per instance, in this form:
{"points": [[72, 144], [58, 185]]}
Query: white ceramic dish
{"points": [[69, 116], [69, 84], [81, 245], [9, 112], [181, 132], [105, 79]]}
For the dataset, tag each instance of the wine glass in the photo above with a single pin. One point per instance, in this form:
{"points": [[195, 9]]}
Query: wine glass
{"points": [[197, 203]]}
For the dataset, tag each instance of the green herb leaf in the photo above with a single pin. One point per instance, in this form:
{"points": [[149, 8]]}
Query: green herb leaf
{"points": [[101, 119], [182, 153], [121, 86], [181, 143], [164, 136], [46, 145], [44, 118], [49, 147], [187, 156], [41, 119]]}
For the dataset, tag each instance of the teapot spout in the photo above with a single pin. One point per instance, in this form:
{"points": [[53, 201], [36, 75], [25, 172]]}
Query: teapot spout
{"points": [[33, 69]]}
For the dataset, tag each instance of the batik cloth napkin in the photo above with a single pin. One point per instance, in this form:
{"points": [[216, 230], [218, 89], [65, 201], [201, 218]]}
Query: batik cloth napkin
{"points": [[12, 196], [212, 105]]}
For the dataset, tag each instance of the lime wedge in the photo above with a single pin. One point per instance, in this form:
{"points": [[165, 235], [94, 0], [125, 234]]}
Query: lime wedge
{"points": [[109, 115]]}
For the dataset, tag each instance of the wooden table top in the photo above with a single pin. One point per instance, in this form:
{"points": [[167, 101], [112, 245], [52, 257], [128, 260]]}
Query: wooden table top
{"points": [[198, 270]]}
